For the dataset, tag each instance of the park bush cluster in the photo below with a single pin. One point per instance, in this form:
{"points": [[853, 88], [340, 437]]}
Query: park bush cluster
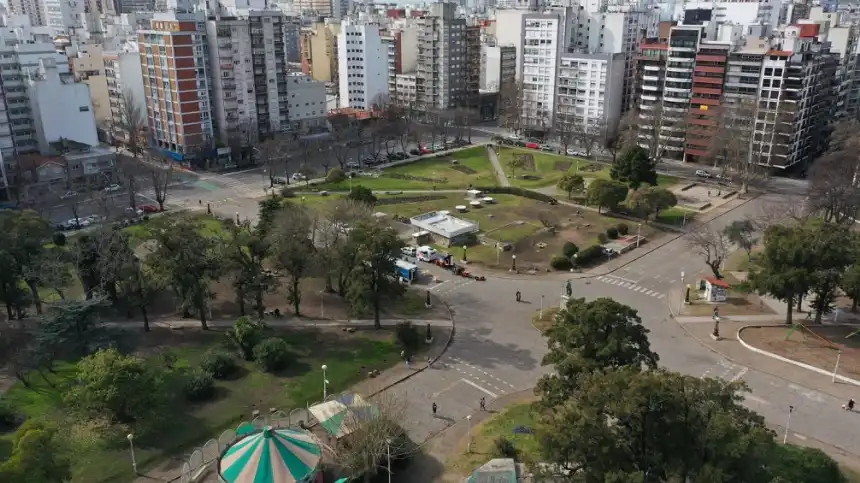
{"points": [[246, 337], [408, 336], [409, 199], [517, 191], [410, 177], [572, 257]]}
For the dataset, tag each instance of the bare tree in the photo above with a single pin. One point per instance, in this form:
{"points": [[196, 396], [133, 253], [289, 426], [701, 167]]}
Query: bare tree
{"points": [[565, 132], [588, 134], [712, 244], [732, 149], [652, 122], [160, 179], [129, 123], [242, 141], [344, 135], [511, 105], [129, 172], [834, 187], [621, 135], [378, 136], [373, 433], [275, 153]]}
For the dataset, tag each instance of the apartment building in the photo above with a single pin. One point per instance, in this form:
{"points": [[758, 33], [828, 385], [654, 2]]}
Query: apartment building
{"points": [[307, 107], [473, 65], [248, 63], [125, 84], [543, 43], [498, 65], [706, 102], [590, 89], [442, 79], [319, 51], [405, 90], [363, 69], [335, 9], [175, 66], [401, 47], [33, 9]]}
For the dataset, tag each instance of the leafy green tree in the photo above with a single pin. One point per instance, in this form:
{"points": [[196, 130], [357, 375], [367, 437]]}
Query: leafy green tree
{"points": [[606, 194], [272, 354], [246, 253], [126, 389], [634, 168], [335, 175], [244, 336], [11, 293], [362, 194], [652, 200], [777, 272], [592, 336], [830, 253], [138, 285], [659, 425], [269, 209], [850, 284], [743, 234], [373, 277], [37, 456], [189, 262], [67, 327], [24, 236], [293, 249], [571, 182], [789, 463]]}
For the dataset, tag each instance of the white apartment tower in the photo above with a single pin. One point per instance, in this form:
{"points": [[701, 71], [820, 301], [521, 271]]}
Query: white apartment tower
{"points": [[34, 9], [543, 42], [362, 65]]}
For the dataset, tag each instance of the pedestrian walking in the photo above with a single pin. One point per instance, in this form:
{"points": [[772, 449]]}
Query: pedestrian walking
{"points": [[408, 363], [519, 296], [434, 409], [849, 406], [483, 403]]}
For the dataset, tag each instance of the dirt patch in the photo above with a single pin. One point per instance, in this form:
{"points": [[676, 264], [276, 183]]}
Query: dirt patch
{"points": [[562, 166], [817, 346], [591, 168], [464, 169]]}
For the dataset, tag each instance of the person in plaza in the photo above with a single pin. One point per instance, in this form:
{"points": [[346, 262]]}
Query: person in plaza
{"points": [[849, 406], [519, 296], [434, 409], [483, 403]]}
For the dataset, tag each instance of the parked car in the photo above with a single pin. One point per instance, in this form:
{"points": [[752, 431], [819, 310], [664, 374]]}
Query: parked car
{"points": [[352, 165], [415, 151], [298, 177], [409, 251], [150, 208], [533, 145], [75, 223], [129, 211], [92, 219], [702, 173], [68, 194], [547, 148], [279, 180], [112, 188]]}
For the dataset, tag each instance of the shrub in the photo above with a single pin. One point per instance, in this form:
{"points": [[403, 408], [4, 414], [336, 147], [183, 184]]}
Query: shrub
{"points": [[199, 385], [505, 448], [244, 335], [623, 229], [335, 175], [602, 238], [287, 192], [408, 337], [362, 194], [219, 363], [560, 262], [9, 418], [569, 249], [272, 354], [589, 255], [612, 232], [517, 191], [60, 239]]}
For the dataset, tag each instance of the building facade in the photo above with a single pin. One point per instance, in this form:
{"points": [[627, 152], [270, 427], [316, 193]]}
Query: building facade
{"points": [[362, 65], [543, 42], [442, 73], [175, 68], [33, 9], [125, 84], [590, 88], [498, 64]]}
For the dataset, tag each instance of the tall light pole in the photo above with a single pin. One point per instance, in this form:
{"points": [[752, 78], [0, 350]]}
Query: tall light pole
{"points": [[464, 254], [638, 231], [325, 383], [237, 218], [388, 456], [681, 304], [130, 438], [787, 424], [469, 433], [540, 312]]}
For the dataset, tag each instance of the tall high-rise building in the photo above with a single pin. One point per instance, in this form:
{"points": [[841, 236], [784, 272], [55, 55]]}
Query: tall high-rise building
{"points": [[362, 65], [175, 71], [34, 9], [543, 41], [248, 58], [443, 80]]}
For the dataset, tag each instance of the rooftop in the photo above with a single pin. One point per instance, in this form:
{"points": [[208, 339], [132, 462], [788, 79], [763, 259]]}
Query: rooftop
{"points": [[444, 224]]}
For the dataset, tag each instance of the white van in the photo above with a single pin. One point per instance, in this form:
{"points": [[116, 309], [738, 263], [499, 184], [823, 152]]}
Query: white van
{"points": [[426, 254]]}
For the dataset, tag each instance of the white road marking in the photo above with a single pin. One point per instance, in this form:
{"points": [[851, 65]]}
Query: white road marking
{"points": [[739, 375], [438, 285], [624, 279], [447, 388], [671, 282], [480, 388], [800, 436], [662, 295]]}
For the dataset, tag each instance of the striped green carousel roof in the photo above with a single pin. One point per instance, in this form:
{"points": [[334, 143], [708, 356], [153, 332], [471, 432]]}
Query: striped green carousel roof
{"points": [[272, 456]]}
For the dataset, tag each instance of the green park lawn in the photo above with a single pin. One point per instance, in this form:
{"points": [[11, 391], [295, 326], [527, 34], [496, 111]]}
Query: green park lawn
{"points": [[473, 168], [210, 226], [676, 216], [549, 168], [348, 357]]}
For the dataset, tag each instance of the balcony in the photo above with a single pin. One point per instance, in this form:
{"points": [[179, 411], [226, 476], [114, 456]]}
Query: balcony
{"points": [[697, 152], [710, 58], [707, 80], [705, 102], [710, 69], [706, 90], [702, 122]]}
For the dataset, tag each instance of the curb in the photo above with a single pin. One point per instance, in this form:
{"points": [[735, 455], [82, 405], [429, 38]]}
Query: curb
{"points": [[780, 358]]}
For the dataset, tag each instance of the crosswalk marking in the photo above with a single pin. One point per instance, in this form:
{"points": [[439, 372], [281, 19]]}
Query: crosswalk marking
{"points": [[619, 282]]}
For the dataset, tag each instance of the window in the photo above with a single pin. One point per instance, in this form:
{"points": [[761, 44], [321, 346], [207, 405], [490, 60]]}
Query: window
{"points": [[84, 108]]}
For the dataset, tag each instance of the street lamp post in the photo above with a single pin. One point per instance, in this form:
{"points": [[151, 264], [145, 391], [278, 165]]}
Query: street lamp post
{"points": [[513, 263], [388, 457], [237, 218], [787, 424], [325, 382], [464, 254], [130, 438], [469, 434], [540, 312], [681, 304], [638, 231]]}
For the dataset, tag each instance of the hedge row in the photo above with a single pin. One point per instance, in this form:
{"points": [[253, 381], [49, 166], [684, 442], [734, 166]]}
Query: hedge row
{"points": [[409, 177], [408, 199], [515, 190]]}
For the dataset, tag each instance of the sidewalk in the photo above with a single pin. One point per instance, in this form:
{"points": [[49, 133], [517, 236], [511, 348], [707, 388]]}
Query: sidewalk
{"points": [[729, 347], [497, 167], [429, 465], [289, 321]]}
